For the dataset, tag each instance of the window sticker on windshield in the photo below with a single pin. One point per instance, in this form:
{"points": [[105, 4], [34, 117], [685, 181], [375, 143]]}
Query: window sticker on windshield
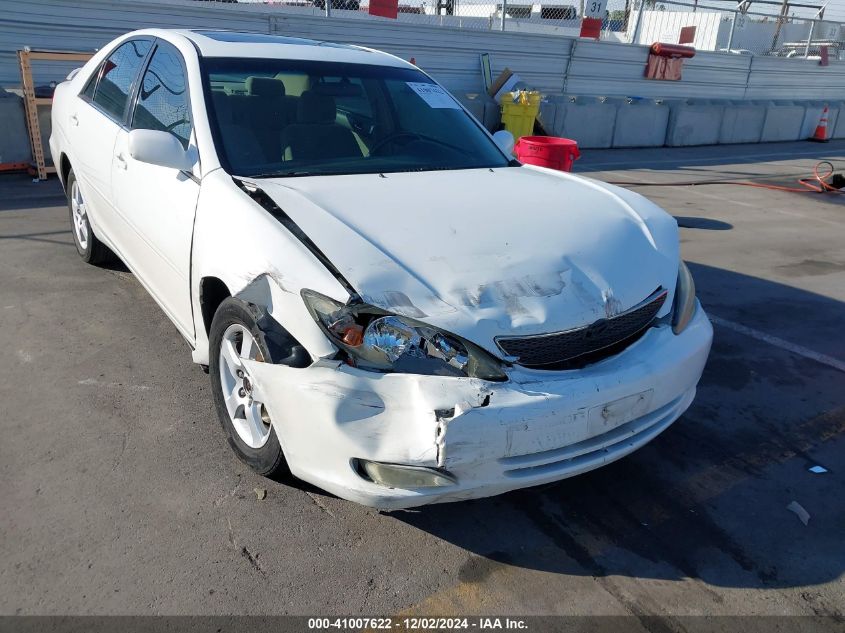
{"points": [[433, 95]]}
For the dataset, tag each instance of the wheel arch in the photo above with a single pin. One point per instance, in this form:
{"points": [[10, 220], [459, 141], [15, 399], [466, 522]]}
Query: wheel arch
{"points": [[212, 292], [64, 169]]}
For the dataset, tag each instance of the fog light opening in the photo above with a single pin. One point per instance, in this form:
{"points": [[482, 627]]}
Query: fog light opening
{"points": [[403, 476]]}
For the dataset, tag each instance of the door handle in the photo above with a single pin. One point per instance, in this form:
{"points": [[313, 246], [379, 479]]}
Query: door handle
{"points": [[74, 120], [121, 161]]}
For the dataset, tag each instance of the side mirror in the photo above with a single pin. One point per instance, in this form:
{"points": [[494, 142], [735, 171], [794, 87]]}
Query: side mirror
{"points": [[158, 148], [504, 140]]}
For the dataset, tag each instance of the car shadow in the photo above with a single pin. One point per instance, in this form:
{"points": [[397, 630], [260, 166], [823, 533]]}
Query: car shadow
{"points": [[706, 499], [686, 222]]}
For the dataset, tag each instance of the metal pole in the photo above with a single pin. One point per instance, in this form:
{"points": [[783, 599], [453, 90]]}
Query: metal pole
{"points": [[809, 39], [784, 10], [328, 8], [504, 12], [731, 34], [636, 38]]}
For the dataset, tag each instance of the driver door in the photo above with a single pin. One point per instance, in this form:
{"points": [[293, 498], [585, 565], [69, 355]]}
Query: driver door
{"points": [[158, 203]]}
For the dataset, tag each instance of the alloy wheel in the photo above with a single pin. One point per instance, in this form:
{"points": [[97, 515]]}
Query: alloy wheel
{"points": [[79, 215], [243, 402]]}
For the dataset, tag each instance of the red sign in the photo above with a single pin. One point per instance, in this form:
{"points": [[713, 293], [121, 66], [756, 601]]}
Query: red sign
{"points": [[591, 27], [384, 8], [687, 35]]}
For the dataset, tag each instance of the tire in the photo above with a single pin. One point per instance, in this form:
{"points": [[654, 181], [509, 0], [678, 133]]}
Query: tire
{"points": [[89, 247], [248, 428]]}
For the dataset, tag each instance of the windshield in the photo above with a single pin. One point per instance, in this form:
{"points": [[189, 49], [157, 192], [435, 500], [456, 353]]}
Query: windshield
{"points": [[274, 117]]}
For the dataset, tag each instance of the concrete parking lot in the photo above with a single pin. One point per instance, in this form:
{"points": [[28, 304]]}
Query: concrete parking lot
{"points": [[119, 494]]}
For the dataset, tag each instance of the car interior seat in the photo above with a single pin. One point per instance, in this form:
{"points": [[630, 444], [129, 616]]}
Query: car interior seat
{"points": [[268, 110], [241, 145], [316, 134]]}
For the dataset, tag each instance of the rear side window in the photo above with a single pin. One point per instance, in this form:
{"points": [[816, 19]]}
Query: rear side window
{"points": [[117, 74], [92, 83], [163, 99]]}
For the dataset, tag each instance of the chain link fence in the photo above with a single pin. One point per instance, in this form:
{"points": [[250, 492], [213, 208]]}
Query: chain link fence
{"points": [[739, 32], [720, 25], [552, 17]]}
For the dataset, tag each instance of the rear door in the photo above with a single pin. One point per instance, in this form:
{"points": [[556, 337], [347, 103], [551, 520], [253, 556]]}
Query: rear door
{"points": [[158, 203], [95, 118]]}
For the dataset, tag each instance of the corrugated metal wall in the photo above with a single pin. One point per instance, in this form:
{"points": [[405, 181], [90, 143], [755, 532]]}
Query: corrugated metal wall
{"points": [[449, 55], [550, 63], [773, 78], [613, 69]]}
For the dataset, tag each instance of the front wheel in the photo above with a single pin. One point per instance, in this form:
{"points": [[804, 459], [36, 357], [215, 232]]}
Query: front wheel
{"points": [[235, 337]]}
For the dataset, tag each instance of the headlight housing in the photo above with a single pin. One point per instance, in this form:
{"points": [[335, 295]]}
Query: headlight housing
{"points": [[683, 308], [377, 340]]}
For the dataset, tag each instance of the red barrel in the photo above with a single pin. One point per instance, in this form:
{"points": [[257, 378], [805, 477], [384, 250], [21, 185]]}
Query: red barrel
{"points": [[547, 151]]}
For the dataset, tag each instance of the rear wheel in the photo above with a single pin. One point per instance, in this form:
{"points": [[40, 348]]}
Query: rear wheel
{"points": [[235, 337], [90, 249]]}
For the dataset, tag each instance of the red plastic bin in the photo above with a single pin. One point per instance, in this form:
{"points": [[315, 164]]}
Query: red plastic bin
{"points": [[547, 151]]}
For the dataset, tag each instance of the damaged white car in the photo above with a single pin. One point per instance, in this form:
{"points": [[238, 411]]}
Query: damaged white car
{"points": [[388, 304]]}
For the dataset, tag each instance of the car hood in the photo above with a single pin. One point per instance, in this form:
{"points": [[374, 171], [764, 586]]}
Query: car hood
{"points": [[485, 252]]}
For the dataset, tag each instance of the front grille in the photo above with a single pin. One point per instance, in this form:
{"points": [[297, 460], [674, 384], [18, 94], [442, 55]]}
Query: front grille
{"points": [[584, 345]]}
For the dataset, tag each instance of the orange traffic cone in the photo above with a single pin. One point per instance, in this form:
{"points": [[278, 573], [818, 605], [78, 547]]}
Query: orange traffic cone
{"points": [[820, 135]]}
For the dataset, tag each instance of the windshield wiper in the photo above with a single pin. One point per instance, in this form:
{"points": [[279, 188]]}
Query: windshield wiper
{"points": [[283, 174], [435, 168]]}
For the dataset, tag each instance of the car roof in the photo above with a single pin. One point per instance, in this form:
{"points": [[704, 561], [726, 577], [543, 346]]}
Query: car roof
{"points": [[223, 43]]}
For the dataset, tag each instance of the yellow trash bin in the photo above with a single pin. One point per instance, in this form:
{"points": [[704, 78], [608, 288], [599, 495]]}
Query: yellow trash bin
{"points": [[519, 109]]}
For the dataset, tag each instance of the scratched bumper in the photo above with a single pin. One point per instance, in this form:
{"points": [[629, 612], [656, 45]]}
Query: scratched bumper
{"points": [[538, 427]]}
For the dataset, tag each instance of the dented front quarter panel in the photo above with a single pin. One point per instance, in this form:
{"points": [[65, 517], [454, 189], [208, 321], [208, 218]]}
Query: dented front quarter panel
{"points": [[238, 242]]}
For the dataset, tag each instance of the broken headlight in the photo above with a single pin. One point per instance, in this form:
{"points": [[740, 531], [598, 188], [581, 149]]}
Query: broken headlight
{"points": [[377, 340], [683, 308]]}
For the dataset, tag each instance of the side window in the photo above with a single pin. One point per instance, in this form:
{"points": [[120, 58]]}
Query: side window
{"points": [[163, 99], [117, 74], [92, 84]]}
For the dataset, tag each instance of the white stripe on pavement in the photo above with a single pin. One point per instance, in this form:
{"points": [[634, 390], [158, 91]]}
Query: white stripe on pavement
{"points": [[824, 359]]}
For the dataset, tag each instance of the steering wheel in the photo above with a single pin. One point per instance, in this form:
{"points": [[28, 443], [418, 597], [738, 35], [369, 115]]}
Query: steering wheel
{"points": [[422, 137], [175, 124], [392, 137]]}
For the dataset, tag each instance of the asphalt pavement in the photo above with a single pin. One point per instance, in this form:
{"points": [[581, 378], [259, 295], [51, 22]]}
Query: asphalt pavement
{"points": [[120, 495]]}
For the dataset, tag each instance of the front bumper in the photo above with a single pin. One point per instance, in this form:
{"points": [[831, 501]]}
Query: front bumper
{"points": [[538, 427]]}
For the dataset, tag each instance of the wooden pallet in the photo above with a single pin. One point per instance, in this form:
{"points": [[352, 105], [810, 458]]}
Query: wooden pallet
{"points": [[31, 102]]}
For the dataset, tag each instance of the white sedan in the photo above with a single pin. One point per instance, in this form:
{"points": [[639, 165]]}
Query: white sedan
{"points": [[388, 304]]}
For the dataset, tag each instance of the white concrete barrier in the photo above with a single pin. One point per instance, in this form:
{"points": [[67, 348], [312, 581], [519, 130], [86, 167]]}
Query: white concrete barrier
{"points": [[549, 108], [837, 125], [482, 106], [783, 121], [641, 123], [589, 120], [694, 122], [742, 122]]}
